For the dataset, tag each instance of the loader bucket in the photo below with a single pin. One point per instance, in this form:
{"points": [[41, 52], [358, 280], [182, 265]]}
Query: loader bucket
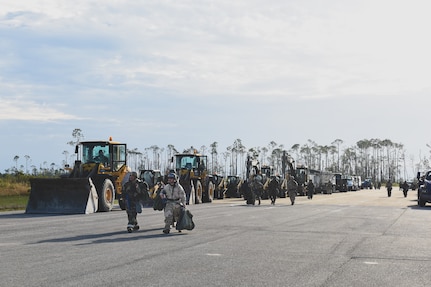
{"points": [[62, 196]]}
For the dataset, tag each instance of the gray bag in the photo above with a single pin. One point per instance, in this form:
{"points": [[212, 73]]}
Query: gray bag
{"points": [[186, 220]]}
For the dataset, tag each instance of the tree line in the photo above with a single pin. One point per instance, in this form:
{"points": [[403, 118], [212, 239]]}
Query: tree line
{"points": [[377, 159]]}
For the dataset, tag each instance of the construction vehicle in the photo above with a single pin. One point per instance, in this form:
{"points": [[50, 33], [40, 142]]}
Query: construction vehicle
{"points": [[264, 173], [191, 169], [92, 185], [232, 186], [219, 185], [302, 176], [153, 178]]}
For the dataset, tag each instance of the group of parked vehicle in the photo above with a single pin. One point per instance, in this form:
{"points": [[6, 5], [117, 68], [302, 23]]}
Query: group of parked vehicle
{"points": [[101, 169]]}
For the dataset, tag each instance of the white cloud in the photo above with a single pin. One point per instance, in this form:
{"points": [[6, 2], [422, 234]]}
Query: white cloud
{"points": [[22, 109], [306, 49], [120, 61]]}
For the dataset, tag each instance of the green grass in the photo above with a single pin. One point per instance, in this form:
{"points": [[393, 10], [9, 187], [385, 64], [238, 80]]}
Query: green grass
{"points": [[14, 193], [13, 202]]}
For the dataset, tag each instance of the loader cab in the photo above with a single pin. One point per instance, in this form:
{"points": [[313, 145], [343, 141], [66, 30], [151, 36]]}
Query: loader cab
{"points": [[302, 174], [110, 155], [151, 177], [191, 162], [267, 172]]}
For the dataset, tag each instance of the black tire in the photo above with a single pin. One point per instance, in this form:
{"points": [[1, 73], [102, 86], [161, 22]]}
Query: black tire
{"points": [[106, 196]]}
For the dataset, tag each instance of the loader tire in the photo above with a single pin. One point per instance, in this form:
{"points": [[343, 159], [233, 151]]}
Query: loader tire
{"points": [[208, 195], [210, 191], [106, 196], [197, 193]]}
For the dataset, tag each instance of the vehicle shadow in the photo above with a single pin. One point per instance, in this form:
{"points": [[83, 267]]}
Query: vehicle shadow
{"points": [[416, 206]]}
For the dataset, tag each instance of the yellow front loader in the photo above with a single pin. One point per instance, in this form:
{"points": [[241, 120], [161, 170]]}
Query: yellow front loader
{"points": [[92, 185], [192, 172]]}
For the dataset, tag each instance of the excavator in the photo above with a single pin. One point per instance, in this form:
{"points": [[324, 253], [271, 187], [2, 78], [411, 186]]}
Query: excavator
{"points": [[92, 185]]}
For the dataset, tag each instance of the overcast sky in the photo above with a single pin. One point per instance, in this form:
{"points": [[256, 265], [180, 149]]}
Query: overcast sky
{"points": [[190, 73]]}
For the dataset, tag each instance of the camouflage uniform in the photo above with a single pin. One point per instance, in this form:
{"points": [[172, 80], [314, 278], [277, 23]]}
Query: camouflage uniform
{"points": [[405, 187], [273, 189], [134, 191], [310, 189], [175, 197], [257, 188], [292, 187], [246, 192], [389, 188]]}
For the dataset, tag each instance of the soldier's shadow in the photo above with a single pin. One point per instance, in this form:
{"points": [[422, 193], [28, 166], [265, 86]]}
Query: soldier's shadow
{"points": [[139, 235], [111, 237]]}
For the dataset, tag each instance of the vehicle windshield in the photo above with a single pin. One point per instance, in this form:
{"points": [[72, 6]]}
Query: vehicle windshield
{"points": [[301, 175], [113, 156], [92, 153], [150, 177], [190, 162], [232, 180]]}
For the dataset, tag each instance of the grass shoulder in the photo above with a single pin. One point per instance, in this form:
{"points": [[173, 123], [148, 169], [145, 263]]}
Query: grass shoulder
{"points": [[13, 202], [14, 192]]}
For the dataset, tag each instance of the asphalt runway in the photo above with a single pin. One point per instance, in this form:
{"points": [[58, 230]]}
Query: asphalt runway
{"points": [[358, 238]]}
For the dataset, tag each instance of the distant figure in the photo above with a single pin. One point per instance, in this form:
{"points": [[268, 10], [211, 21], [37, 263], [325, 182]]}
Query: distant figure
{"points": [[257, 189], [310, 189], [389, 187], [246, 192], [405, 187], [273, 189], [292, 188]]}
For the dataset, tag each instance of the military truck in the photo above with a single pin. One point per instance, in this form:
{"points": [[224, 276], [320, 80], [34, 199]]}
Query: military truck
{"points": [[424, 190]]}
